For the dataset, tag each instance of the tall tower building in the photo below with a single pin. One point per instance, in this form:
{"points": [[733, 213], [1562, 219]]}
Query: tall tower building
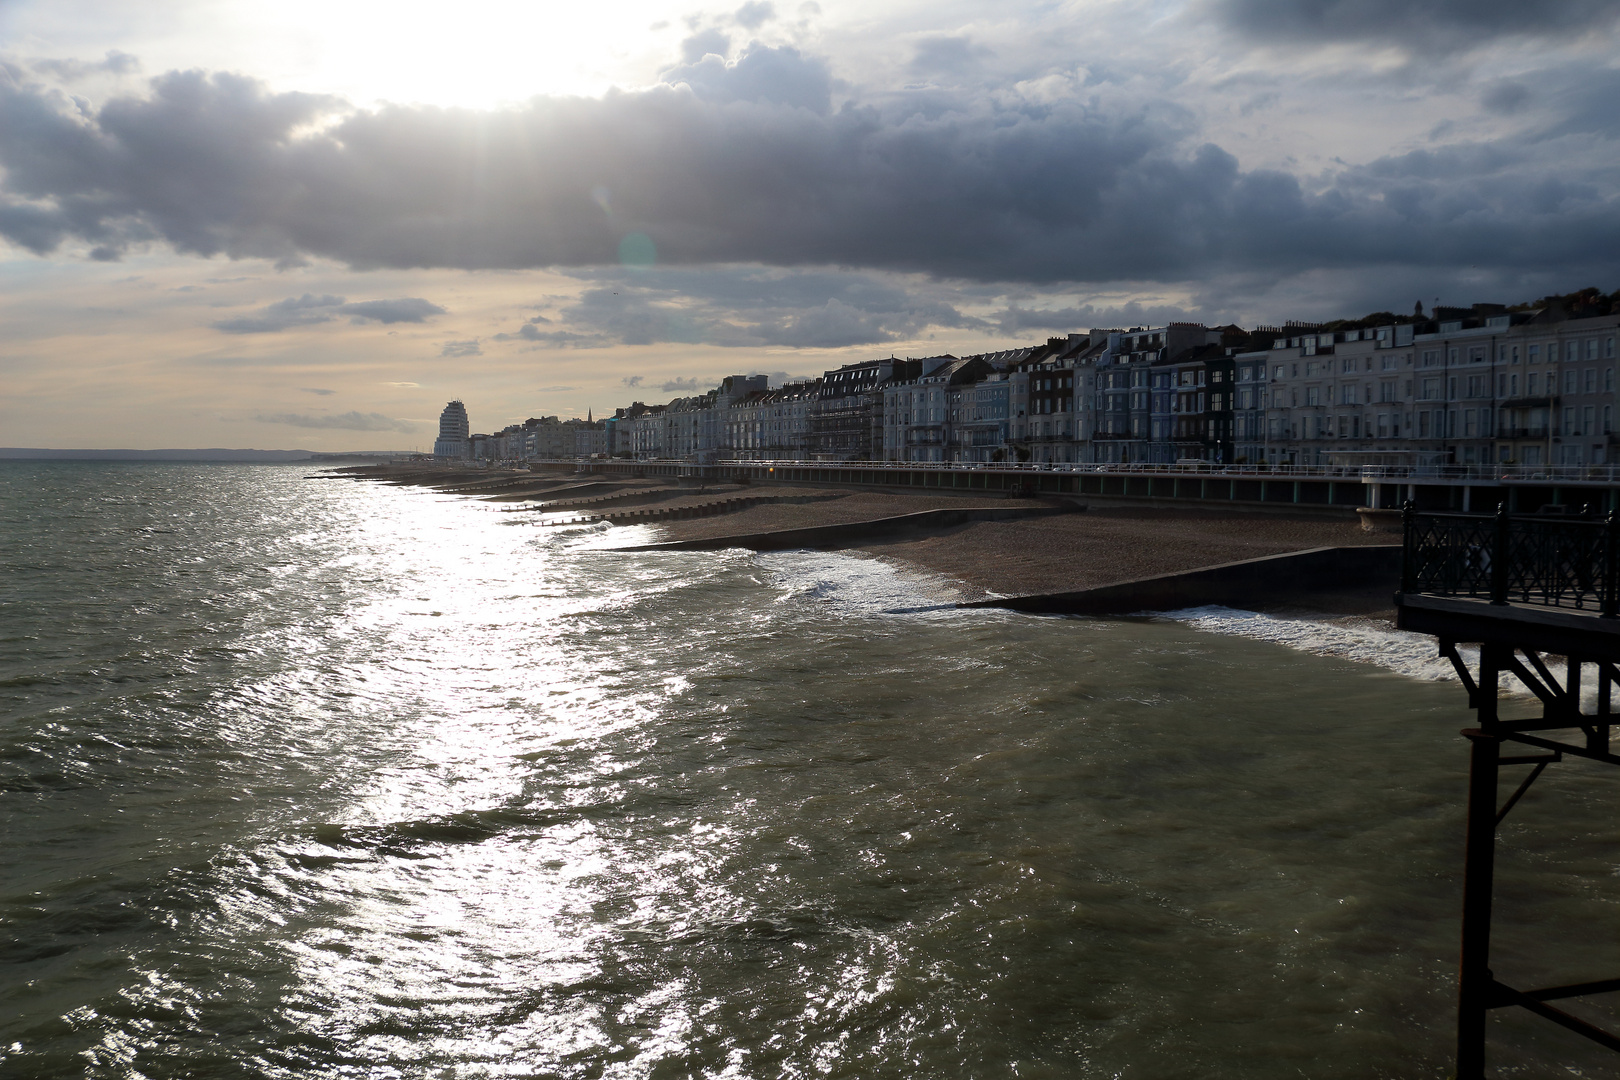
{"points": [[454, 430]]}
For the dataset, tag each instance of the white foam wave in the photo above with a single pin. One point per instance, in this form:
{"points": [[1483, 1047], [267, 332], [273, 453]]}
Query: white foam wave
{"points": [[1410, 654], [1362, 640], [858, 584], [601, 535]]}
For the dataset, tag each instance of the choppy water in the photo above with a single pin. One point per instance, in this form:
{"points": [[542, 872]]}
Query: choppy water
{"points": [[309, 779]]}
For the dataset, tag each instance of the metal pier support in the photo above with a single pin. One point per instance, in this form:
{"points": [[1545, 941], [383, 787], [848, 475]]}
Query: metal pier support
{"points": [[1478, 991], [1474, 977]]}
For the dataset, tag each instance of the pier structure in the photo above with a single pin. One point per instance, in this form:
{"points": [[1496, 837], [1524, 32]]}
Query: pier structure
{"points": [[1535, 593]]}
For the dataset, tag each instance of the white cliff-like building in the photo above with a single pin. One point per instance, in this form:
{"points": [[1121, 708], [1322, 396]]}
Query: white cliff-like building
{"points": [[454, 432]]}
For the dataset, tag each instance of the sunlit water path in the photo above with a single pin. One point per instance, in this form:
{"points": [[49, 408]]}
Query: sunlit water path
{"points": [[311, 779]]}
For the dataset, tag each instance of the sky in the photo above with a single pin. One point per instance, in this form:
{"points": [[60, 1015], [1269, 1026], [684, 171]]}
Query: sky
{"points": [[310, 224]]}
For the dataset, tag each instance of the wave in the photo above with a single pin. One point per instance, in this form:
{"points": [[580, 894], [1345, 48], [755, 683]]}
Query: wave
{"points": [[1366, 641], [858, 584]]}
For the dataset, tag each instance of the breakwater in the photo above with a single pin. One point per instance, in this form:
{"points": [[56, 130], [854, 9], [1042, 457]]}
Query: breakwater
{"points": [[850, 534], [1262, 582]]}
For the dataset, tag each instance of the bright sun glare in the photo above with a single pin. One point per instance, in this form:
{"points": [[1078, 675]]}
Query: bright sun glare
{"points": [[472, 53], [469, 53]]}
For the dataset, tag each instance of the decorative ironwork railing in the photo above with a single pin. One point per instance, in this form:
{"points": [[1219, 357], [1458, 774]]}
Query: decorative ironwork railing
{"points": [[1564, 561]]}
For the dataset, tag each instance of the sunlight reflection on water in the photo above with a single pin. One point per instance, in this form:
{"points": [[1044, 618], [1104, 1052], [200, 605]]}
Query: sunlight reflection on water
{"points": [[339, 779]]}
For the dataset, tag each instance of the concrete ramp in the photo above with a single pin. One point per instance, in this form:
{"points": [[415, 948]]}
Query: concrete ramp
{"points": [[1247, 584]]}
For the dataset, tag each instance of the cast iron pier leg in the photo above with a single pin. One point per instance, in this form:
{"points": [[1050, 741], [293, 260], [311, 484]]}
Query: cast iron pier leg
{"points": [[1479, 857]]}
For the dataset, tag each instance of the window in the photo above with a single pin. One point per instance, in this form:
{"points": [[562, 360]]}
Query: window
{"points": [[1313, 395], [1589, 380], [1591, 348], [1347, 365], [1476, 386], [1468, 423], [1534, 355], [1569, 381], [1533, 383], [1501, 385], [1431, 357], [1608, 419], [1608, 380], [1383, 425]]}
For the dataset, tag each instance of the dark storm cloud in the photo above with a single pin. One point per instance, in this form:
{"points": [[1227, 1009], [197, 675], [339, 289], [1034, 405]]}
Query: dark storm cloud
{"points": [[1016, 321], [749, 162], [406, 309], [754, 14], [747, 307], [308, 310], [115, 63], [703, 43], [349, 421], [947, 54], [305, 310], [765, 76], [1505, 97], [1435, 23]]}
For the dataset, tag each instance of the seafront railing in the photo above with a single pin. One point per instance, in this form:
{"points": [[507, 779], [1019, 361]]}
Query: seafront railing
{"points": [[1549, 561], [1485, 474], [1481, 474]]}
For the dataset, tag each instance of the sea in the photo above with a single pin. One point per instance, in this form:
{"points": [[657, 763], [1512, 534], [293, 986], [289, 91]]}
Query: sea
{"points": [[316, 778]]}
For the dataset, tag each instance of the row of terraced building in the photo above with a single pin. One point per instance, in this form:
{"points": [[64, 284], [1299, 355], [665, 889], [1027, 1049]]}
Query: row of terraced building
{"points": [[1479, 385]]}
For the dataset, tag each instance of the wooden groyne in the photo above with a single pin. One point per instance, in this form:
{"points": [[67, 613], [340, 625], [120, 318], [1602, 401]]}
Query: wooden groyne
{"points": [[852, 533]]}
